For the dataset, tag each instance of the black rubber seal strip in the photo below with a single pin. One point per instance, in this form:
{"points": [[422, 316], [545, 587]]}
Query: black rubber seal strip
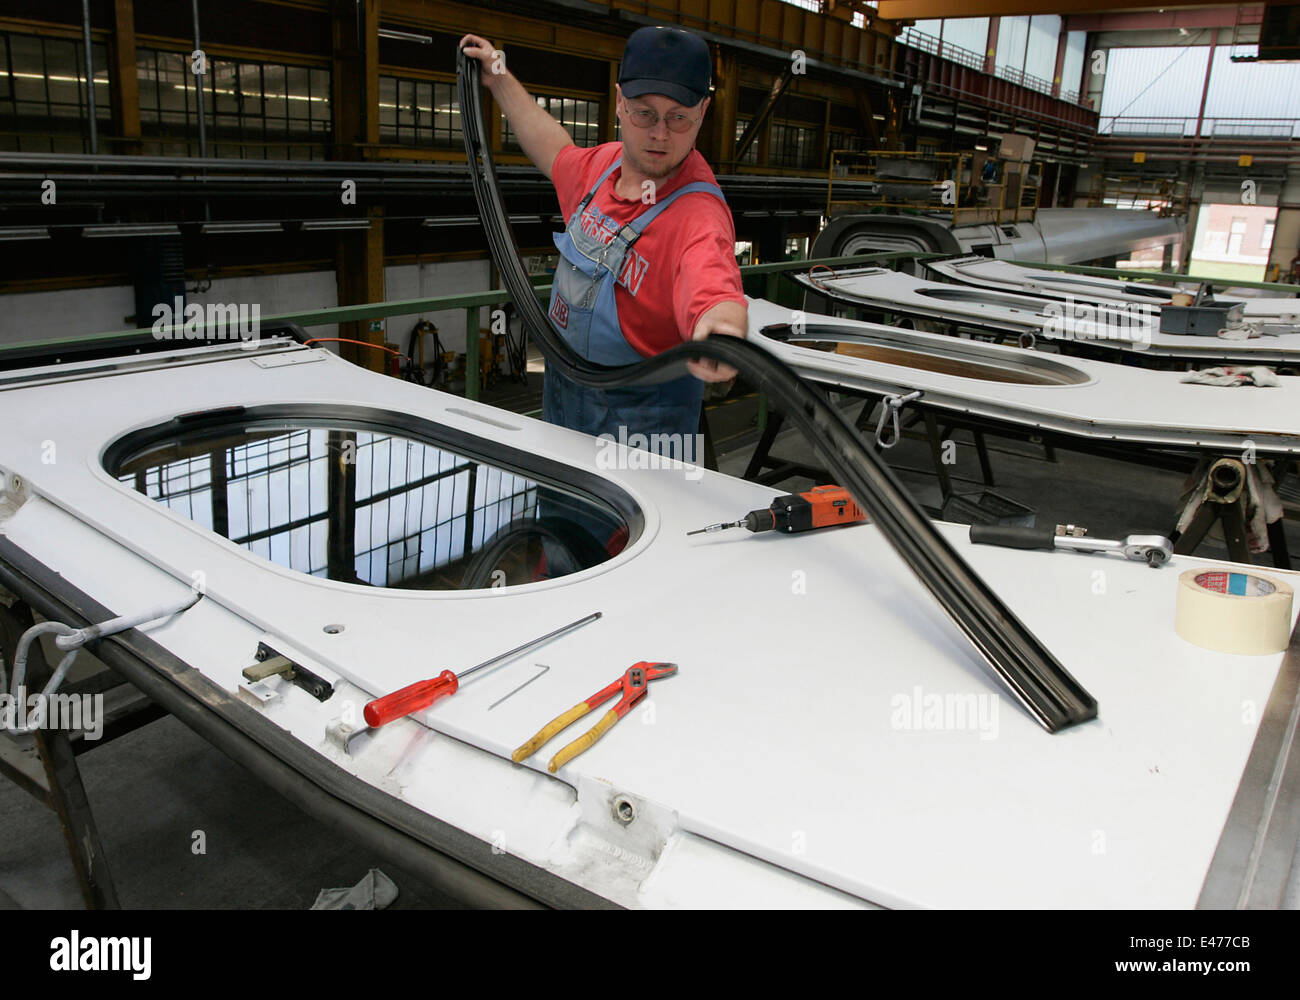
{"points": [[447, 858], [1014, 653]]}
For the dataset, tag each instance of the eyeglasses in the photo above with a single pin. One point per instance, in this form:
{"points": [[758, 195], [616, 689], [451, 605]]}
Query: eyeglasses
{"points": [[649, 118]]}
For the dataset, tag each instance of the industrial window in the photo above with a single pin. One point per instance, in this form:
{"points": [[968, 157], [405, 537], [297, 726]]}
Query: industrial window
{"points": [[581, 119], [252, 110], [362, 504], [751, 154], [794, 146], [854, 142], [419, 112], [43, 93], [1236, 233]]}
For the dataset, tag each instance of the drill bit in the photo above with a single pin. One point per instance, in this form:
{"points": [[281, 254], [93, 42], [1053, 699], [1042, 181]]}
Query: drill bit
{"points": [[716, 527]]}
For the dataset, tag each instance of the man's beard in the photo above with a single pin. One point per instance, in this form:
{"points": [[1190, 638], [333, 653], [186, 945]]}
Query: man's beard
{"points": [[650, 168]]}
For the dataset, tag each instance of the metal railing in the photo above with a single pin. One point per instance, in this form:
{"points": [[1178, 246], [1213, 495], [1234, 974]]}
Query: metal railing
{"points": [[1164, 195], [1190, 127], [944, 50], [975, 60], [938, 183], [1026, 80]]}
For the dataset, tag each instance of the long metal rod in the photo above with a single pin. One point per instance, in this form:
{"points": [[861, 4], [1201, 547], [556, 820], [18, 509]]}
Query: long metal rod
{"points": [[90, 77], [529, 645]]}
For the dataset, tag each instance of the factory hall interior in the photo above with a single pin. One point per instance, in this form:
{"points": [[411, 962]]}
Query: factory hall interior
{"points": [[381, 378]]}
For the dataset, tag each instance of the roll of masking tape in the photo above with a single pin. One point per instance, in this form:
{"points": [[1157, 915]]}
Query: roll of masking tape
{"points": [[1233, 612]]}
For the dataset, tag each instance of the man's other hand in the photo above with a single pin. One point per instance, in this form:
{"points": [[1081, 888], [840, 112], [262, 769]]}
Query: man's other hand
{"points": [[728, 319]]}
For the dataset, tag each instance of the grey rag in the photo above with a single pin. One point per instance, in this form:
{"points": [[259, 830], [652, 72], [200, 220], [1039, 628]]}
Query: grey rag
{"points": [[375, 891]]}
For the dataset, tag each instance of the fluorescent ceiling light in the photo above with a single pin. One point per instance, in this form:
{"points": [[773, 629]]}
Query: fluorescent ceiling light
{"points": [[451, 220], [265, 226], [145, 229], [436, 222], [24, 233], [405, 36], [311, 224]]}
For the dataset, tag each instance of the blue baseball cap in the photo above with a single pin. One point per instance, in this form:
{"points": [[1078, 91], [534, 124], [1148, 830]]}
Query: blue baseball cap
{"points": [[667, 61]]}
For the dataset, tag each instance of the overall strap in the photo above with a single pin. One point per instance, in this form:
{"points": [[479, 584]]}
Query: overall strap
{"points": [[638, 224], [596, 187]]}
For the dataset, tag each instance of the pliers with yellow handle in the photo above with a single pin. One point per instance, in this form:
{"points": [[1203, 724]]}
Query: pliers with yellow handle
{"points": [[634, 684]]}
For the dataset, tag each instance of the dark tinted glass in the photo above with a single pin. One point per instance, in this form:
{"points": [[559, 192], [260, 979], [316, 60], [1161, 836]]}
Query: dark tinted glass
{"points": [[374, 508]]}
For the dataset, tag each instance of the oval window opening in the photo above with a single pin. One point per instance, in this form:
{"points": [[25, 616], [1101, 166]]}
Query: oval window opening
{"points": [[380, 507]]}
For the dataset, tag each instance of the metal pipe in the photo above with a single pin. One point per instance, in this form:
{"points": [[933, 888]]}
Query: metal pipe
{"points": [[198, 80], [90, 76]]}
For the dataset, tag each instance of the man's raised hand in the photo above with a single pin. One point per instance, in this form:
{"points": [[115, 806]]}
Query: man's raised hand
{"points": [[491, 59]]}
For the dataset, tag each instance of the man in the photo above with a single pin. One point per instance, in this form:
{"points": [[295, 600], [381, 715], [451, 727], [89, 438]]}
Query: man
{"points": [[648, 255]]}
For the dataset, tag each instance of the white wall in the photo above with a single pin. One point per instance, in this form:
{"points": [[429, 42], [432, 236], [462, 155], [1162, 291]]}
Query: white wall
{"points": [[276, 294], [82, 311], [1154, 82], [422, 281], [52, 315], [1013, 33], [1252, 90], [967, 32], [1072, 69]]}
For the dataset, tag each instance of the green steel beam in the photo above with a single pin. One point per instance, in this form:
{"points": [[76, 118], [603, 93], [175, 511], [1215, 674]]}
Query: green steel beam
{"points": [[441, 303]]}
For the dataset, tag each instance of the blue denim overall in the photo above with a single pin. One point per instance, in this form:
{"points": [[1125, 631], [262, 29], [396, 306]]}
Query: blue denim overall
{"points": [[584, 310]]}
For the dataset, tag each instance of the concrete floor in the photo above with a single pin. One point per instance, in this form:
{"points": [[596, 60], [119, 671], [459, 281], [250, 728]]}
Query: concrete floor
{"points": [[152, 789]]}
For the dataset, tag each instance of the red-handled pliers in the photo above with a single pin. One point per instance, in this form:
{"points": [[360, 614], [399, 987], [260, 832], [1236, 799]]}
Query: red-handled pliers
{"points": [[632, 684]]}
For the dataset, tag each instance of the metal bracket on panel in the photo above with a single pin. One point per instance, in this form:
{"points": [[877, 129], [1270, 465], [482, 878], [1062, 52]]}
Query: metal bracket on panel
{"points": [[270, 662]]}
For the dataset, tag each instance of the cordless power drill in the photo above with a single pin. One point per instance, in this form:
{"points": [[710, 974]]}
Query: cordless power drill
{"points": [[820, 507]]}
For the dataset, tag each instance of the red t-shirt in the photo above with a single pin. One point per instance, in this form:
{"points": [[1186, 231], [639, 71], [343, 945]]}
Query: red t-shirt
{"points": [[684, 263]]}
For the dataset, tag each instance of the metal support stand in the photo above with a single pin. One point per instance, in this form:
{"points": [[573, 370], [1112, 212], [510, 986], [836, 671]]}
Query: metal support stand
{"points": [[1224, 503], [1234, 531], [47, 769]]}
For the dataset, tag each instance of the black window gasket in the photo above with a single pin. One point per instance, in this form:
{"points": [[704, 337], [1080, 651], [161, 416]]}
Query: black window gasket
{"points": [[1014, 654]]}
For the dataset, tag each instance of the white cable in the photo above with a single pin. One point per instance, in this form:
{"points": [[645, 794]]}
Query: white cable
{"points": [[70, 640], [79, 637]]}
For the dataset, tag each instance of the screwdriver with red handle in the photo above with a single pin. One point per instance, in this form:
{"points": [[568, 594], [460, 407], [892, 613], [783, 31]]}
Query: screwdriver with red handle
{"points": [[820, 507], [422, 694]]}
